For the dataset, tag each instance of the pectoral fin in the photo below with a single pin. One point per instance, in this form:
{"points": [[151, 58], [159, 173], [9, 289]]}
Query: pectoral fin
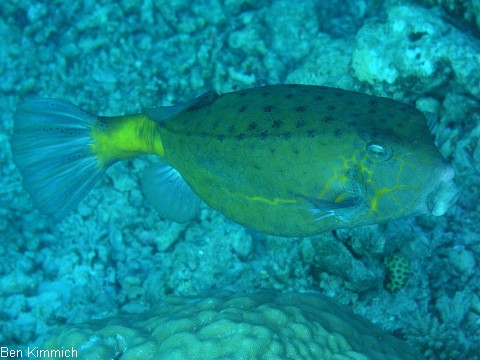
{"points": [[345, 210], [349, 202]]}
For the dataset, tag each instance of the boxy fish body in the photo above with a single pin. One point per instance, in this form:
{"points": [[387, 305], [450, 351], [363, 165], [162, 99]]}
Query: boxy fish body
{"points": [[289, 160]]}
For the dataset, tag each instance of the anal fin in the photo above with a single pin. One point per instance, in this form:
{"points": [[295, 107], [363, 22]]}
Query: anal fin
{"points": [[169, 194]]}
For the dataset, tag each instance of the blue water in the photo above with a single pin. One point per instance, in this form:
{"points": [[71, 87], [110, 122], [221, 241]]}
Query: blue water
{"points": [[115, 255]]}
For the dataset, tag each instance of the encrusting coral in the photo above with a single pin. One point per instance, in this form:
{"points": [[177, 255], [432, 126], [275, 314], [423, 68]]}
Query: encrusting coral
{"points": [[227, 325]]}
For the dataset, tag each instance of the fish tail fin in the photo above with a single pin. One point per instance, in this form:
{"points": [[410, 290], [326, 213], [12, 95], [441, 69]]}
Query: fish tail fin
{"points": [[51, 147]]}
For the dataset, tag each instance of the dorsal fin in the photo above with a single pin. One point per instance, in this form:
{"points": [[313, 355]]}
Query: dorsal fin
{"points": [[164, 113], [203, 100]]}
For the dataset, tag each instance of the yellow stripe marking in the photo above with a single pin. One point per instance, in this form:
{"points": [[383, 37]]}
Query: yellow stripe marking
{"points": [[275, 201]]}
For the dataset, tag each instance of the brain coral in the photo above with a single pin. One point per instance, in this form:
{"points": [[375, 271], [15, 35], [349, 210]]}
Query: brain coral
{"points": [[264, 325]]}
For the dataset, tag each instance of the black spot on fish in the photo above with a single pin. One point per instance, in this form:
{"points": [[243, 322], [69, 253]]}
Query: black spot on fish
{"points": [[268, 108], [351, 103], [242, 94], [102, 123], [231, 128], [373, 102], [295, 151], [318, 98], [272, 150], [300, 124], [74, 157], [252, 126], [220, 137], [339, 94], [277, 123], [372, 111], [331, 107], [243, 108], [286, 135], [328, 119], [301, 108], [240, 136], [289, 96], [215, 124], [310, 133], [265, 93], [57, 130], [263, 135], [337, 132], [355, 115]]}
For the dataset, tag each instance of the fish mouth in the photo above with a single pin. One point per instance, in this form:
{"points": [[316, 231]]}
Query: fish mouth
{"points": [[445, 192]]}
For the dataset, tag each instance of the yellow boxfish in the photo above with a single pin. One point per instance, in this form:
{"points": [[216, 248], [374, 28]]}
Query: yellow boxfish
{"points": [[288, 160]]}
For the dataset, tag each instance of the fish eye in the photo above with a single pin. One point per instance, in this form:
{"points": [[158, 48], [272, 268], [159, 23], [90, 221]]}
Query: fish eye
{"points": [[379, 151]]}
